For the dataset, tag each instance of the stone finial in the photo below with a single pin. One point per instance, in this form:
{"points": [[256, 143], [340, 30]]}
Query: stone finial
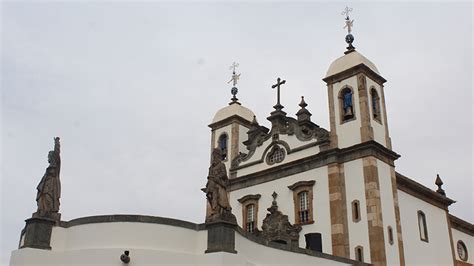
{"points": [[439, 183], [303, 114], [254, 122]]}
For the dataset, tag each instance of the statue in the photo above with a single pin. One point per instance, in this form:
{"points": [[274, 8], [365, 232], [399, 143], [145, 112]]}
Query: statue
{"points": [[347, 104], [49, 188], [216, 190]]}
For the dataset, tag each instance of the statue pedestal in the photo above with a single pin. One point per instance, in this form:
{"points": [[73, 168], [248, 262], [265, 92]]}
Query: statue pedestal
{"points": [[38, 232], [221, 237]]}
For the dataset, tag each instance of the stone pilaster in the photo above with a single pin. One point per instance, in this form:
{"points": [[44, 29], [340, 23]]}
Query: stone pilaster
{"points": [[374, 212], [401, 252], [234, 141], [450, 231], [338, 211], [332, 117], [366, 130]]}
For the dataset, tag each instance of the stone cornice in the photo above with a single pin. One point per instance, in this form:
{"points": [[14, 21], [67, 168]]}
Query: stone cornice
{"points": [[229, 120], [249, 197], [417, 190], [131, 218], [461, 225], [353, 71], [298, 184], [366, 149]]}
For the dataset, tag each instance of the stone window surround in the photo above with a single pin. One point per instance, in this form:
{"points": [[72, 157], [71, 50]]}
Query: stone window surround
{"points": [[341, 108], [276, 148], [466, 256], [390, 235], [355, 211], [379, 118], [246, 201], [297, 188], [227, 144], [421, 215], [359, 250]]}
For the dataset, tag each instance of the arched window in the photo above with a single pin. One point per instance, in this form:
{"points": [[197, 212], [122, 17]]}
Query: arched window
{"points": [[422, 226], [222, 142], [355, 211], [390, 235], [304, 207], [250, 213], [346, 103], [375, 103], [359, 253]]}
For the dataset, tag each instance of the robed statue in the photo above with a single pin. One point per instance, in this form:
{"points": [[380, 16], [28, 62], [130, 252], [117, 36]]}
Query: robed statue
{"points": [[49, 188], [216, 190]]}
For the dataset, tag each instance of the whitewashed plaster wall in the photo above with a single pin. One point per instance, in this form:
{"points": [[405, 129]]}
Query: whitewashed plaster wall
{"points": [[152, 244], [321, 215], [435, 252], [349, 132], [379, 128], [388, 212], [468, 241], [355, 190]]}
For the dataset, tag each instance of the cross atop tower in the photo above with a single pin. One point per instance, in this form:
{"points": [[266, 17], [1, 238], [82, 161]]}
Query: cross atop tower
{"points": [[234, 80], [280, 82], [349, 25]]}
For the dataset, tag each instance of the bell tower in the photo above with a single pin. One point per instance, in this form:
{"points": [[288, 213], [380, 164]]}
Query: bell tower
{"points": [[230, 125], [363, 187]]}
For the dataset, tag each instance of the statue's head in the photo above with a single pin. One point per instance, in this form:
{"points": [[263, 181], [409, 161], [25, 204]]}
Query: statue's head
{"points": [[216, 156]]}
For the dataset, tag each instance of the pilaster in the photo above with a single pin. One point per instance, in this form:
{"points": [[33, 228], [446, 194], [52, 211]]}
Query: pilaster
{"points": [[366, 130]]}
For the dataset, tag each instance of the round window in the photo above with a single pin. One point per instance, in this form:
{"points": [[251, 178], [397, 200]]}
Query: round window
{"points": [[462, 250]]}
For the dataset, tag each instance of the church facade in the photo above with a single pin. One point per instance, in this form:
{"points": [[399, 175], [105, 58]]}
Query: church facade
{"points": [[298, 194]]}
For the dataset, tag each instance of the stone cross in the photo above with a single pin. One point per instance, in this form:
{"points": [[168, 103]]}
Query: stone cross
{"points": [[277, 85]]}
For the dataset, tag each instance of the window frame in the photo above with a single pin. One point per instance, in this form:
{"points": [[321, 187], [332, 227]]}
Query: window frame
{"points": [[374, 92], [423, 226], [359, 253], [298, 188], [355, 205], [390, 235], [225, 151], [464, 247], [246, 201]]}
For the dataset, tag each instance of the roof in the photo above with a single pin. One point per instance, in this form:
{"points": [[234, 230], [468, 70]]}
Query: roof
{"points": [[348, 61], [234, 109]]}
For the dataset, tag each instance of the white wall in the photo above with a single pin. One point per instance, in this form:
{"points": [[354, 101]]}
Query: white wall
{"points": [[321, 215], [379, 128], [468, 241], [435, 252], [388, 213], [349, 132], [355, 190]]}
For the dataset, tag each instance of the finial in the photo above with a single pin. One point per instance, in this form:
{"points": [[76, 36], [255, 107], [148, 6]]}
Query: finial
{"points": [[439, 183], [254, 121], [280, 82], [234, 80], [349, 24], [303, 103]]}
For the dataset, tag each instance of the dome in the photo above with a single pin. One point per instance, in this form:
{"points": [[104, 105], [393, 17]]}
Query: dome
{"points": [[350, 60], [231, 110]]}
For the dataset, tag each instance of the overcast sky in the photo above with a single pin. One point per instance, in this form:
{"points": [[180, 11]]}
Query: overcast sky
{"points": [[130, 89]]}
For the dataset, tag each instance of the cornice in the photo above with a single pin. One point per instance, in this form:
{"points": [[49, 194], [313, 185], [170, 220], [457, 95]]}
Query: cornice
{"points": [[417, 190], [461, 225], [366, 149], [353, 71], [230, 120]]}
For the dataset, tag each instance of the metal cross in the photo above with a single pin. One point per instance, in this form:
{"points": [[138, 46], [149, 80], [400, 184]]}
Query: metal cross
{"points": [[277, 85], [349, 22], [235, 77]]}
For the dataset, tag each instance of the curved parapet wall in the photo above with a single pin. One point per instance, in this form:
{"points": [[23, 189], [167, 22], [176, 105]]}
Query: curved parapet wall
{"points": [[100, 240]]}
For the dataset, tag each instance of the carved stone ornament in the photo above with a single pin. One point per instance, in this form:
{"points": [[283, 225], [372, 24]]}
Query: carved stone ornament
{"points": [[49, 188], [216, 191], [277, 228], [303, 130]]}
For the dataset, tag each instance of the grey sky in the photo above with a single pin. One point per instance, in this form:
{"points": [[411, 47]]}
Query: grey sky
{"points": [[131, 87]]}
